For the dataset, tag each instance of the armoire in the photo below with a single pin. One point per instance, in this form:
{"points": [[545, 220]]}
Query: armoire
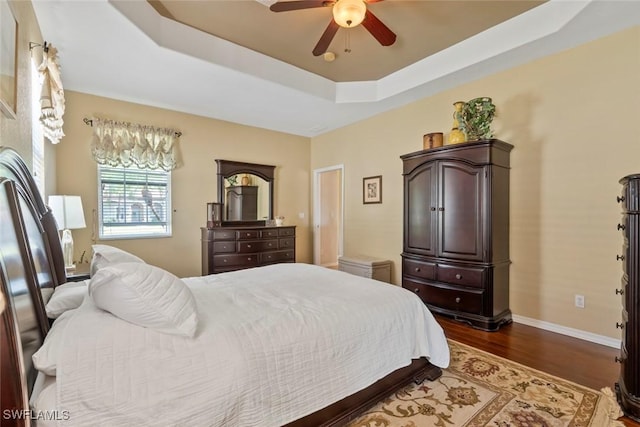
{"points": [[456, 231]]}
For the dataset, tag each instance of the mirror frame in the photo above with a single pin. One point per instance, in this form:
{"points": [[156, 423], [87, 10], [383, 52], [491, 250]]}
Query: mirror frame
{"points": [[227, 168]]}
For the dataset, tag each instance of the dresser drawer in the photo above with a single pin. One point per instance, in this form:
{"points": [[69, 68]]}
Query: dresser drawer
{"points": [[249, 260], [248, 234], [467, 276], [224, 234], [224, 247], [269, 233], [463, 300], [288, 231], [421, 269], [286, 243], [277, 256], [257, 245]]}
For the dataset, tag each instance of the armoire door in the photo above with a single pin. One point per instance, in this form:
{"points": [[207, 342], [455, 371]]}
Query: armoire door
{"points": [[461, 211], [421, 197]]}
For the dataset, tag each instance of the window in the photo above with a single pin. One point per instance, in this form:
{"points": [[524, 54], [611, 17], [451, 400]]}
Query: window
{"points": [[133, 202]]}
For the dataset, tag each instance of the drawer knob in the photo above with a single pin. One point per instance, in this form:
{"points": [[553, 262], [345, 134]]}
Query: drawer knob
{"points": [[618, 359], [440, 209], [433, 208], [457, 300], [224, 260], [249, 259], [458, 276], [248, 246], [620, 199], [416, 290], [620, 257], [621, 227], [620, 291], [417, 269], [620, 325]]}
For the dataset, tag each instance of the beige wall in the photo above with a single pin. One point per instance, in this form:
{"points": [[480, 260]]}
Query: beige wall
{"points": [[193, 183], [16, 132], [571, 118]]}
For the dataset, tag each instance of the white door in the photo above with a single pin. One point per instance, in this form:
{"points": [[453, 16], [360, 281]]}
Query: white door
{"points": [[328, 215]]}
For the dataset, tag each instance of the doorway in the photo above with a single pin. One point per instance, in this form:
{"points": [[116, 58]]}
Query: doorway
{"points": [[328, 214]]}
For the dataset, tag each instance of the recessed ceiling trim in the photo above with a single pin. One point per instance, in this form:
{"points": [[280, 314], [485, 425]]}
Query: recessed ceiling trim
{"points": [[190, 41]]}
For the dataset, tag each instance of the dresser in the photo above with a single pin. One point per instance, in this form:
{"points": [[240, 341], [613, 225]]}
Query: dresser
{"points": [[456, 231], [628, 386], [236, 248]]}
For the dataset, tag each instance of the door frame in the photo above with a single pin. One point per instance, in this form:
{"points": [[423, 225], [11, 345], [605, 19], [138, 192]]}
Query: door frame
{"points": [[316, 211]]}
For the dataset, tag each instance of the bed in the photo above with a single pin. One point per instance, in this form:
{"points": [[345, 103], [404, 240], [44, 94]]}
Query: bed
{"points": [[285, 344]]}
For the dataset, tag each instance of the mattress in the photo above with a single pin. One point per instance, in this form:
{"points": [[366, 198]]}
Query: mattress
{"points": [[273, 344]]}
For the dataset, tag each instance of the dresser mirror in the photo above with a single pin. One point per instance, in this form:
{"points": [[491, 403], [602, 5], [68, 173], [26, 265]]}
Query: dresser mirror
{"points": [[246, 191]]}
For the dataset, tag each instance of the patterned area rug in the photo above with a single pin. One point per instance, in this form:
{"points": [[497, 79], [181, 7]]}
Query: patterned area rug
{"points": [[480, 389]]}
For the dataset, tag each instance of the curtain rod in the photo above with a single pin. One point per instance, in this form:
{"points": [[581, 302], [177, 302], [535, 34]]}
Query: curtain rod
{"points": [[89, 122], [44, 46]]}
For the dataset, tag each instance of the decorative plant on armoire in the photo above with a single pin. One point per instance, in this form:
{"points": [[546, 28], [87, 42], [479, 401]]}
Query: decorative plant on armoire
{"points": [[477, 116]]}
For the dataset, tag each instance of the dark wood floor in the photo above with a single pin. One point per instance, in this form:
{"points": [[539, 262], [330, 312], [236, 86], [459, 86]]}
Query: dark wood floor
{"points": [[576, 360]]}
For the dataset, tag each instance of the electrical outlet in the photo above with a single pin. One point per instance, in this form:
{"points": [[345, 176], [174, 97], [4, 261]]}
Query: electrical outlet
{"points": [[579, 300]]}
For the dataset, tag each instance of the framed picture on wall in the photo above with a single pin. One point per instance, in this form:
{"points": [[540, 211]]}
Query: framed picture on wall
{"points": [[8, 40], [372, 189]]}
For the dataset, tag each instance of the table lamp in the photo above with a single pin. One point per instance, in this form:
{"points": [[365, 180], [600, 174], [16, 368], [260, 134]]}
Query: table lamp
{"points": [[67, 210]]}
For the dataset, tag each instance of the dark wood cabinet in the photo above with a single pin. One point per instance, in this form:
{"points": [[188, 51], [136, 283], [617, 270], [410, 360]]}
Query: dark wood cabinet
{"points": [[242, 203], [236, 248], [456, 230], [628, 386]]}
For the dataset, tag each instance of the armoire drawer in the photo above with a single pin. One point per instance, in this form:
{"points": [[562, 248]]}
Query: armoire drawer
{"points": [[463, 300], [421, 269], [466, 276]]}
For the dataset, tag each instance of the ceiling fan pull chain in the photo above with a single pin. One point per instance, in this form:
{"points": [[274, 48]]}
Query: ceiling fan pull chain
{"points": [[347, 41]]}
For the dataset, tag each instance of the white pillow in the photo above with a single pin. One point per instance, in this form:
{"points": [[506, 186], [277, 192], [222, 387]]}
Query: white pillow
{"points": [[147, 296], [66, 297], [46, 358], [104, 255]]}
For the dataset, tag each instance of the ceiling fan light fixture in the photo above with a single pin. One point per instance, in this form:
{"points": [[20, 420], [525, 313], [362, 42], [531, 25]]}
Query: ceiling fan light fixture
{"points": [[349, 13]]}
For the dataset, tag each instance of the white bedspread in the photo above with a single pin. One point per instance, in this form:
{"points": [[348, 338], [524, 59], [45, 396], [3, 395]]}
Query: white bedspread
{"points": [[273, 344]]}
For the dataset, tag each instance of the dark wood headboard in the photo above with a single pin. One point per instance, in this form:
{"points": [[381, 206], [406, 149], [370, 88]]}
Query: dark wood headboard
{"points": [[31, 266], [13, 167]]}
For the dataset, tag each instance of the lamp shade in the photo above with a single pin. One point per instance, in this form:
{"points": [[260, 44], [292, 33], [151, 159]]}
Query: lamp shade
{"points": [[349, 13], [67, 211]]}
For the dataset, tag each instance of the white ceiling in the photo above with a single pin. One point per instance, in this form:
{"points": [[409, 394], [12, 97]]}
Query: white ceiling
{"points": [[126, 50]]}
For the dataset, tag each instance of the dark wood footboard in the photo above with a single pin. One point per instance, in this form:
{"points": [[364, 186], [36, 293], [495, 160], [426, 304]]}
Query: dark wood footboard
{"points": [[349, 408]]}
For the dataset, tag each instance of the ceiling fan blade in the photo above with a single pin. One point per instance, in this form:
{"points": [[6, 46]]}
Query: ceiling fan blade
{"points": [[285, 6], [325, 39], [381, 32]]}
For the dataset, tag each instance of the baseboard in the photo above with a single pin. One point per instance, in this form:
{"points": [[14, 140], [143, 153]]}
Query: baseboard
{"points": [[575, 333]]}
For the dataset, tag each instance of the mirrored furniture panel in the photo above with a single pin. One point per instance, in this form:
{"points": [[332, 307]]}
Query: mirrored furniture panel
{"points": [[246, 192]]}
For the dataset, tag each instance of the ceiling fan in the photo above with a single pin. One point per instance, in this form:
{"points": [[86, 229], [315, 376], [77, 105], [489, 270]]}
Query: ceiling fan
{"points": [[347, 14]]}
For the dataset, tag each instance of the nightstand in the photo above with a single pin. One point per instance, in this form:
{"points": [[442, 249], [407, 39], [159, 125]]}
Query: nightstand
{"points": [[79, 274]]}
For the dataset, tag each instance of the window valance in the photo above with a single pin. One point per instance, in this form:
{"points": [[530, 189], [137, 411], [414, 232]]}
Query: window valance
{"points": [[124, 144], [52, 95]]}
